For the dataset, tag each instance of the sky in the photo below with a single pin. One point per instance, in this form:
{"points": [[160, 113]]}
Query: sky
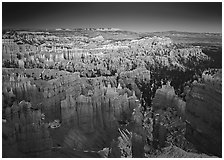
{"points": [[132, 16]]}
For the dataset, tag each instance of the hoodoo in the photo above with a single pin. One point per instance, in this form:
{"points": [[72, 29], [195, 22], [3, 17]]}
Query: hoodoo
{"points": [[107, 92]]}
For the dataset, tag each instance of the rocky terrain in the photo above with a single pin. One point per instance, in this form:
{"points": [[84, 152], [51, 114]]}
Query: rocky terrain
{"points": [[108, 93], [204, 113]]}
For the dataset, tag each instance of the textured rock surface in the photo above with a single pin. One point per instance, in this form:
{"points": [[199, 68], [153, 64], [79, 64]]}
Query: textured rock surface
{"points": [[175, 152], [95, 114], [165, 97], [204, 115], [21, 87], [169, 119], [25, 132], [89, 82]]}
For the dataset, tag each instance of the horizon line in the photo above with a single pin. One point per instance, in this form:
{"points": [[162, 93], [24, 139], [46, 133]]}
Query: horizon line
{"points": [[119, 29]]}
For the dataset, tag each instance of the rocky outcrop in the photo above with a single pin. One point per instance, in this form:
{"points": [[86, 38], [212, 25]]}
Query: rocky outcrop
{"points": [[176, 152], [105, 108], [56, 90], [98, 112], [26, 131], [88, 86], [165, 97], [21, 88], [169, 116], [204, 115], [130, 142]]}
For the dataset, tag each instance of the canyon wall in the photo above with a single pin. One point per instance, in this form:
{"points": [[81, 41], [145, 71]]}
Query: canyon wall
{"points": [[204, 114], [25, 133], [100, 112], [165, 97]]}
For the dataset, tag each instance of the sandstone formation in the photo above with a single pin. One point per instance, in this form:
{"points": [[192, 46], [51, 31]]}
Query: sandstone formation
{"points": [[175, 152], [166, 98], [97, 112], [169, 119], [26, 131], [101, 58], [204, 114], [72, 93]]}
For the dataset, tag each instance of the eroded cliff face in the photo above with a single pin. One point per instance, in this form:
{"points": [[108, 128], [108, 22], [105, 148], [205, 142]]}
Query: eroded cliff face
{"points": [[165, 97], [24, 133], [175, 152], [204, 114], [86, 89], [89, 110], [19, 88], [94, 115], [169, 119]]}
